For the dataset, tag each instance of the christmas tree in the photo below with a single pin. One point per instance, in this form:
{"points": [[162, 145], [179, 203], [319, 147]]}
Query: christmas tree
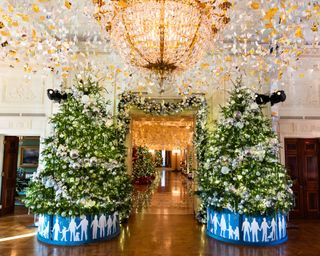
{"points": [[81, 170], [143, 165], [158, 158], [242, 172]]}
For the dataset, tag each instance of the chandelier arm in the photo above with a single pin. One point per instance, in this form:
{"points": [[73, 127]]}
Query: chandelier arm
{"points": [[161, 28], [130, 42], [193, 42]]}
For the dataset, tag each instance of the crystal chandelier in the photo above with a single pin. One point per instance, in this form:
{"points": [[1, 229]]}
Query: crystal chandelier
{"points": [[162, 36]]}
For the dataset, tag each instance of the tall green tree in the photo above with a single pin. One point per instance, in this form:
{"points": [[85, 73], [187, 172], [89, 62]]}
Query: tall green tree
{"points": [[81, 170], [242, 172], [143, 165]]}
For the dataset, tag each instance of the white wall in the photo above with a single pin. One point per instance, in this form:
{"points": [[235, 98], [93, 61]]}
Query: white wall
{"points": [[24, 106], [300, 114]]}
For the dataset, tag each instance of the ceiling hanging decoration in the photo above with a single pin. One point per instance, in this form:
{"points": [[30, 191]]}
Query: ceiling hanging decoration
{"points": [[162, 36], [157, 133]]}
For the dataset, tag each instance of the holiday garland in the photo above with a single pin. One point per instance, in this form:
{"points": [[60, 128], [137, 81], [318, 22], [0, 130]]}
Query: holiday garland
{"points": [[197, 103]]}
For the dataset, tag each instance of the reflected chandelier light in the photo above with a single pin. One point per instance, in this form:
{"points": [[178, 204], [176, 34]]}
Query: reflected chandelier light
{"points": [[162, 36]]}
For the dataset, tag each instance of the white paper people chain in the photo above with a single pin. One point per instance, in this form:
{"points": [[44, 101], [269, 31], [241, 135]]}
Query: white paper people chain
{"points": [[100, 223], [250, 230]]}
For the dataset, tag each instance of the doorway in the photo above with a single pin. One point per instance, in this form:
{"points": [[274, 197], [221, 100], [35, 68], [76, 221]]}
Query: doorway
{"points": [[302, 163], [20, 161], [9, 171], [169, 138]]}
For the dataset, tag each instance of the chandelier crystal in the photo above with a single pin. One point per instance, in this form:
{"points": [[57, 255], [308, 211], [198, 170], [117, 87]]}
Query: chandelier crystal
{"points": [[162, 36]]}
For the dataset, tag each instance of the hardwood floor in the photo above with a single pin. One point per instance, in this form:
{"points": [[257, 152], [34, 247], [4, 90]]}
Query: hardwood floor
{"points": [[162, 224]]}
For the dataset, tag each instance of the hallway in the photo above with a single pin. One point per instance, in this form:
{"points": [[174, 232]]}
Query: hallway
{"points": [[163, 223]]}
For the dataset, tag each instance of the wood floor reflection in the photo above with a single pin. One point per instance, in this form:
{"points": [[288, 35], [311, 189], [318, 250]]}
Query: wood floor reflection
{"points": [[162, 224]]}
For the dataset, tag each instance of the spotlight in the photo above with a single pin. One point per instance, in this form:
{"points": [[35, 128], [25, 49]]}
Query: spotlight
{"points": [[56, 96], [278, 96], [261, 99], [50, 94]]}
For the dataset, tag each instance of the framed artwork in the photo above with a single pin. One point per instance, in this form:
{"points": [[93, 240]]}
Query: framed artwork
{"points": [[29, 156]]}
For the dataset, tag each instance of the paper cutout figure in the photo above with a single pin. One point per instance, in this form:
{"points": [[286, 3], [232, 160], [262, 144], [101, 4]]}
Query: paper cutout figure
{"points": [[94, 226], [40, 223], [254, 230], [64, 234], [77, 238], [215, 222], [264, 228], [46, 231], [56, 230], [230, 230], [273, 235], [284, 228], [72, 228], [280, 227], [84, 228], [209, 216], [109, 226], [246, 230], [102, 224], [236, 234], [114, 222], [223, 226]]}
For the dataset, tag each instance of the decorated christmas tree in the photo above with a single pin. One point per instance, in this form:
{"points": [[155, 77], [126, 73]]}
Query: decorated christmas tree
{"points": [[242, 172], [143, 166], [158, 158], [81, 170]]}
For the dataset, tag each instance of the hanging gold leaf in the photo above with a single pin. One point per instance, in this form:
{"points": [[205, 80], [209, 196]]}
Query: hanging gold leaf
{"points": [[1, 25], [34, 34], [35, 8], [67, 4], [270, 13], [268, 25], [122, 4], [5, 33], [10, 8], [204, 66], [255, 5], [299, 33], [314, 28], [24, 17], [15, 24]]}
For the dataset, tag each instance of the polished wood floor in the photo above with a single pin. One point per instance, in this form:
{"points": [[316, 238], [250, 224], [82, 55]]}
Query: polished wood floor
{"points": [[162, 224]]}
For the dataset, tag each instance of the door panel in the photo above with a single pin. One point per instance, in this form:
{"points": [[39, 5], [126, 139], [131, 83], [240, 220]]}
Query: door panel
{"points": [[292, 165], [311, 177], [302, 162], [9, 173]]}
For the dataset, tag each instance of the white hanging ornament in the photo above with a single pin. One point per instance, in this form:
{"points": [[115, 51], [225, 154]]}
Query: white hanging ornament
{"points": [[76, 166], [93, 161], [85, 99], [74, 153]]}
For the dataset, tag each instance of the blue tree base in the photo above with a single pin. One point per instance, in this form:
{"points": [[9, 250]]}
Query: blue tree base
{"points": [[241, 229], [72, 231]]}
